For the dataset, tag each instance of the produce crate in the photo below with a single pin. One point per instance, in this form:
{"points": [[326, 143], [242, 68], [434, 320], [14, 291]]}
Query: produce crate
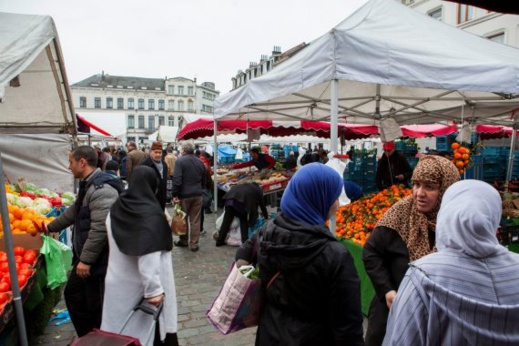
{"points": [[275, 186]]}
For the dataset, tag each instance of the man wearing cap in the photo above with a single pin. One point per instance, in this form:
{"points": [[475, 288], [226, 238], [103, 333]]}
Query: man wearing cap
{"points": [[392, 168], [156, 162]]}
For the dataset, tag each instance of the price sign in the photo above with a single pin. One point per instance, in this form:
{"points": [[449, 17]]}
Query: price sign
{"points": [[275, 187]]}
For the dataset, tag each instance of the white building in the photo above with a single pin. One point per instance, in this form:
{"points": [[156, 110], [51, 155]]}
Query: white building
{"points": [[499, 27], [146, 102]]}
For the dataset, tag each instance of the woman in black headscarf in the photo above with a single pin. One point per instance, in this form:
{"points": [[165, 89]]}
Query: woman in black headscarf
{"points": [[140, 263]]}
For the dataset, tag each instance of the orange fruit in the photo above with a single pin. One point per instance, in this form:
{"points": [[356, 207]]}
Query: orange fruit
{"points": [[455, 145]]}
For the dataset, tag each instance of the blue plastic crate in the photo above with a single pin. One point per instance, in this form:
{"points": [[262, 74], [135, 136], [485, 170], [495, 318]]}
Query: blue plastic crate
{"points": [[490, 151]]}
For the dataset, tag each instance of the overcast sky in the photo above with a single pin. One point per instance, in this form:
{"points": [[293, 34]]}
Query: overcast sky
{"points": [[205, 39]]}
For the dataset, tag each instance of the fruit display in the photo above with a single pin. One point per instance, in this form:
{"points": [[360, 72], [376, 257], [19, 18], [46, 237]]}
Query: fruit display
{"points": [[461, 156], [25, 263], [272, 180], [356, 220]]}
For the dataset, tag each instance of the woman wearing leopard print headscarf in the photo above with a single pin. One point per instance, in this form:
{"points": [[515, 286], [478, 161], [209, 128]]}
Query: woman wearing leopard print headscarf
{"points": [[405, 233]]}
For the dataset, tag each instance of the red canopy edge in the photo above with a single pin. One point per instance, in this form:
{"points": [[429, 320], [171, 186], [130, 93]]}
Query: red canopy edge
{"points": [[92, 126], [421, 131]]}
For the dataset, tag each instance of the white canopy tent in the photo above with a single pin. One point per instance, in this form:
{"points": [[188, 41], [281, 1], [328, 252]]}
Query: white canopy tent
{"points": [[37, 118], [166, 134], [36, 101], [385, 60]]}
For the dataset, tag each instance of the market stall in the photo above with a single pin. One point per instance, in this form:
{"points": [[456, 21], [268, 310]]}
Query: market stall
{"points": [[38, 126]]}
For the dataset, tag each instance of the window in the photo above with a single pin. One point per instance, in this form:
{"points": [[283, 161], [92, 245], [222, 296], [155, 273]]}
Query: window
{"points": [[499, 38], [190, 105], [161, 121], [207, 109], [141, 104], [82, 102], [171, 89], [190, 91], [436, 14], [131, 122], [171, 121], [109, 102], [131, 104], [181, 90], [180, 105], [120, 103], [465, 13], [161, 105], [151, 123], [141, 121], [97, 102], [171, 105], [151, 104]]}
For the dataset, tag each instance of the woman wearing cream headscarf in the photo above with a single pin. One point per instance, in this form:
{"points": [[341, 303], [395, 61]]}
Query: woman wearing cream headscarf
{"points": [[405, 233]]}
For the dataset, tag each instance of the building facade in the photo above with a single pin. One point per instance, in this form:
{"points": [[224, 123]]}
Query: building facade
{"points": [[147, 103], [499, 27]]}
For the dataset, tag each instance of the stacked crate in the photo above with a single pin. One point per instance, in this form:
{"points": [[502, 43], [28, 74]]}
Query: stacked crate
{"points": [[277, 152], [494, 163], [409, 150], [362, 170]]}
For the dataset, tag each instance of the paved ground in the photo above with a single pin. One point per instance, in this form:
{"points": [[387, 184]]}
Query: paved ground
{"points": [[198, 278]]}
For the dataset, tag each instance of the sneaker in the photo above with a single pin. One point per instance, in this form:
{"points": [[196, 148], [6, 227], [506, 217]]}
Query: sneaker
{"points": [[179, 243], [215, 235], [208, 211], [203, 233]]}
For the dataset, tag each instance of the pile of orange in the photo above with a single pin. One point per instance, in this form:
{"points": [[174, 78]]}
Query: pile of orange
{"points": [[356, 220], [461, 157], [25, 220]]}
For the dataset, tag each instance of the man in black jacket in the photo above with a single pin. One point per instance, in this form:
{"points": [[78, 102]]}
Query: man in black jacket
{"points": [[156, 162], [392, 168], [241, 201], [188, 182]]}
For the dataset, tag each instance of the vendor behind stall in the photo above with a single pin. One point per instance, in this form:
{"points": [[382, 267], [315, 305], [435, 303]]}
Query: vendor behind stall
{"points": [[259, 160]]}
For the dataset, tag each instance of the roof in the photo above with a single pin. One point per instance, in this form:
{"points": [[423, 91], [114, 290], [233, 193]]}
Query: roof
{"points": [[105, 80]]}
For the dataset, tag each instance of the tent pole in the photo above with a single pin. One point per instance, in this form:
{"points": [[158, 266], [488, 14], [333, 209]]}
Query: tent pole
{"points": [[215, 163], [512, 151], [17, 297], [334, 112]]}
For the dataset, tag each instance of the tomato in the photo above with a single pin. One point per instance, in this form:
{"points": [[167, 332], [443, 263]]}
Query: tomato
{"points": [[7, 279], [4, 287], [19, 251], [25, 272], [3, 257], [3, 298], [22, 280], [18, 259], [25, 265], [4, 267], [29, 257]]}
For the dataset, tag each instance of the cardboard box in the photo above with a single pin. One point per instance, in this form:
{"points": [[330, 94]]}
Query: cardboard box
{"points": [[25, 240]]}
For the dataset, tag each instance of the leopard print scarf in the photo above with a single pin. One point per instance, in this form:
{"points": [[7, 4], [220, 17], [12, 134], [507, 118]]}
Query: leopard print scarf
{"points": [[406, 220]]}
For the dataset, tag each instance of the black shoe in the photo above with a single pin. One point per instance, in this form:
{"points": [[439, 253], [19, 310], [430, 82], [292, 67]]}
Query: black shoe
{"points": [[179, 243], [208, 211], [194, 248], [220, 243]]}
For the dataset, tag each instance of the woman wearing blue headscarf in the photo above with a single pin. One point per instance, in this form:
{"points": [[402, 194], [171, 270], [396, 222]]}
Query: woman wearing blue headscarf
{"points": [[312, 290]]}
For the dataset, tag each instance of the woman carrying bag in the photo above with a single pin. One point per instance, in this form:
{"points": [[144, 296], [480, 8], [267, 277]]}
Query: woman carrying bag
{"points": [[139, 264], [313, 295]]}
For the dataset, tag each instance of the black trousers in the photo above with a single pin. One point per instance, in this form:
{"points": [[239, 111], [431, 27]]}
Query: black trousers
{"points": [[228, 217], [377, 321], [84, 299]]}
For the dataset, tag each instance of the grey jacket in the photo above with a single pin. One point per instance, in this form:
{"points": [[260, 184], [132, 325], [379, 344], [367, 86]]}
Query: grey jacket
{"points": [[99, 202]]}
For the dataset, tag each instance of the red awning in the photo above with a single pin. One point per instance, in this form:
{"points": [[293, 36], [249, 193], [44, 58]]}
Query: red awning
{"points": [[420, 131], [92, 126], [205, 127], [493, 131]]}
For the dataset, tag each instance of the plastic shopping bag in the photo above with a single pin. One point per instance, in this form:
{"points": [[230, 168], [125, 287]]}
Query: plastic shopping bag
{"points": [[238, 304], [58, 261], [178, 221], [339, 167]]}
